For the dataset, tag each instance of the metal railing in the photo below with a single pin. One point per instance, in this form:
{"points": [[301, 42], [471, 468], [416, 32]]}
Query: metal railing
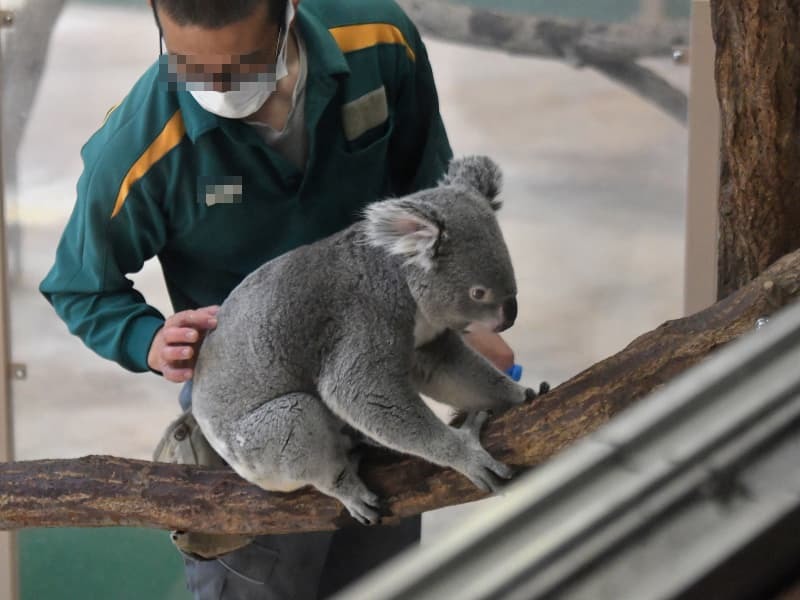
{"points": [[692, 493]]}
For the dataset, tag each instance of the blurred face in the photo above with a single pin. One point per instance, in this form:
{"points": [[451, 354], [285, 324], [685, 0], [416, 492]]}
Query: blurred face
{"points": [[220, 59]]}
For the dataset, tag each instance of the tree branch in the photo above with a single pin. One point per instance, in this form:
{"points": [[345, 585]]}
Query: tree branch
{"points": [[103, 491], [645, 83], [611, 48], [545, 37]]}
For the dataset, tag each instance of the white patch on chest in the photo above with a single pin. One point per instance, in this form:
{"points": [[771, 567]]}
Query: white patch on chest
{"points": [[424, 332]]}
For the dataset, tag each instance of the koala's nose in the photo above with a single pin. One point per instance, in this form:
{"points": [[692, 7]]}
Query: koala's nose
{"points": [[509, 313]]}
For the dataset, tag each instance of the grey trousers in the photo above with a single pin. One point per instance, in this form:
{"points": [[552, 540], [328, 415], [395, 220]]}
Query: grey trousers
{"points": [[304, 566], [299, 566]]}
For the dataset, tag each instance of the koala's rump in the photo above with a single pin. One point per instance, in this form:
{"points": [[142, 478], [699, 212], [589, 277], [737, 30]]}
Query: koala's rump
{"points": [[260, 347], [277, 327]]}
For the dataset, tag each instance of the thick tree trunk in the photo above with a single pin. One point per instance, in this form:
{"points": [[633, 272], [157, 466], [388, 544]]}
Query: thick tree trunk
{"points": [[102, 491], [758, 82]]}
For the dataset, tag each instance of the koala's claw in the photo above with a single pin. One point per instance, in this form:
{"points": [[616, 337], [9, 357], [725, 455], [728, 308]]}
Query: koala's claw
{"points": [[481, 469], [366, 509], [489, 474], [362, 504], [531, 394]]}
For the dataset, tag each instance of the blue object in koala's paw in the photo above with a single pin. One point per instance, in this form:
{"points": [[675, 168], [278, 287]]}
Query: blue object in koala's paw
{"points": [[515, 372]]}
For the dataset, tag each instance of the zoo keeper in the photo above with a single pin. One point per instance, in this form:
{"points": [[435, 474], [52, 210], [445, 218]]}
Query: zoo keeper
{"points": [[264, 125]]}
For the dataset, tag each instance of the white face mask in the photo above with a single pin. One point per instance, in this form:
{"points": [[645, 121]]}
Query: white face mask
{"points": [[250, 95]]}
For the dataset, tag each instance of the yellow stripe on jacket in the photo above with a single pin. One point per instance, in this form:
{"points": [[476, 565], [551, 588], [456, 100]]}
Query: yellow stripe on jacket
{"points": [[358, 37], [169, 137]]}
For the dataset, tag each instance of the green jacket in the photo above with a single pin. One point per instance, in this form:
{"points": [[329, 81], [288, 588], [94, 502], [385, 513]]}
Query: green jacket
{"points": [[153, 177]]}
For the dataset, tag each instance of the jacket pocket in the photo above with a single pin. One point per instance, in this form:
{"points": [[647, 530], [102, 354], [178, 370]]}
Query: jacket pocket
{"points": [[366, 121]]}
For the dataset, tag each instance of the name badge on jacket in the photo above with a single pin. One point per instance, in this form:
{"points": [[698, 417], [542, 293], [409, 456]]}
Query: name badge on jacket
{"points": [[219, 190]]}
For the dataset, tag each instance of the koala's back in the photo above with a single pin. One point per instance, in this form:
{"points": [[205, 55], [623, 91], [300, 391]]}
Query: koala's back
{"points": [[277, 326]]}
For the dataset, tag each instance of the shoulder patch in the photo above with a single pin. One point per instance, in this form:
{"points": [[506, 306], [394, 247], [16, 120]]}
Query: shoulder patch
{"points": [[358, 37], [169, 137]]}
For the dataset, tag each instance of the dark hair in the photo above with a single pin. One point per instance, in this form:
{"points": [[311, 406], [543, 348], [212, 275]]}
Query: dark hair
{"points": [[213, 14]]}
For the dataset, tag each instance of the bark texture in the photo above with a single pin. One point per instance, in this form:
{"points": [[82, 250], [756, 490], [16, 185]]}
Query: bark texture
{"points": [[758, 83], [103, 491]]}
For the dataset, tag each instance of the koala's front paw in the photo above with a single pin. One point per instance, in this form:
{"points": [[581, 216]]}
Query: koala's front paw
{"points": [[531, 395], [478, 465]]}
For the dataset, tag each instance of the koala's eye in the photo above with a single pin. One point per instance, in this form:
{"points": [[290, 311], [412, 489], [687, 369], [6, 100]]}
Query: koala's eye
{"points": [[477, 293]]}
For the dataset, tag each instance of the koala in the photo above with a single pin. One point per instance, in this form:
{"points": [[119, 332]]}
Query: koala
{"points": [[343, 335]]}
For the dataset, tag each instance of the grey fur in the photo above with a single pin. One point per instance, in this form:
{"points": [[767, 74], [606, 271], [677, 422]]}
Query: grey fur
{"points": [[479, 174], [345, 333]]}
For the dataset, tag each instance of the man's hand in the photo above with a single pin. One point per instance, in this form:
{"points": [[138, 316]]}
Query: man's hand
{"points": [[174, 348], [492, 347]]}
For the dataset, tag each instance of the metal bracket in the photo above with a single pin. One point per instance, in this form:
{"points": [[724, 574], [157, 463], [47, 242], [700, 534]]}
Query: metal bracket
{"points": [[19, 371], [6, 18]]}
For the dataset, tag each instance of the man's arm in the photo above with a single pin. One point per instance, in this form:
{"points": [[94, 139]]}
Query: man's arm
{"points": [[88, 286], [493, 347]]}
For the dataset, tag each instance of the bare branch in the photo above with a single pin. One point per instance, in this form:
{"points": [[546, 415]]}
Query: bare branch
{"points": [[104, 491], [546, 37], [647, 84], [611, 49]]}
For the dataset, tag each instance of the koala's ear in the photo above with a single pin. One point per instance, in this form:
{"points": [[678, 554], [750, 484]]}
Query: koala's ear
{"points": [[479, 173], [403, 228]]}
